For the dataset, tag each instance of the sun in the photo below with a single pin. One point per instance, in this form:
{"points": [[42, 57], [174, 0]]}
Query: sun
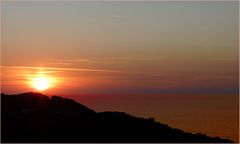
{"points": [[42, 82]]}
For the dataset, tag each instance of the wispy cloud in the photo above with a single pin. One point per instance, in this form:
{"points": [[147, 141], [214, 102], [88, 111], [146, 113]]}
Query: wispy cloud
{"points": [[131, 58], [115, 16], [108, 60], [223, 59], [72, 60], [59, 69], [60, 63]]}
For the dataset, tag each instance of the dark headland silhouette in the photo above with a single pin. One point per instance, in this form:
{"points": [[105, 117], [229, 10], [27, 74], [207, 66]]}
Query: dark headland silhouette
{"points": [[33, 117]]}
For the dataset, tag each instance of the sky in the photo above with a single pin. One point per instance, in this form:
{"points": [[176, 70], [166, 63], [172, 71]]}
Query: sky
{"points": [[149, 49]]}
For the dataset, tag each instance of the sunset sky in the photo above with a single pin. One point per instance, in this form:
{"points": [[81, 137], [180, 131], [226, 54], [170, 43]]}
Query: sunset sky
{"points": [[128, 53]]}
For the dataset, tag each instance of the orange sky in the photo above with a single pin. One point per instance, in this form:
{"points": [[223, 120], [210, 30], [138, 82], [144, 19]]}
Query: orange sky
{"points": [[128, 49]]}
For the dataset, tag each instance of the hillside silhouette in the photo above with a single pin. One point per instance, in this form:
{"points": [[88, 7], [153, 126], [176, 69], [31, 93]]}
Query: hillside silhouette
{"points": [[33, 117]]}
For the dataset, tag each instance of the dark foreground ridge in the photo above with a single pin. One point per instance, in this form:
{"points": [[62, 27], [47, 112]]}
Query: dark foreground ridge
{"points": [[33, 117]]}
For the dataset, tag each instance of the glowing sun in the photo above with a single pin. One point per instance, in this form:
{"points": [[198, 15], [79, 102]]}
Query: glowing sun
{"points": [[41, 83]]}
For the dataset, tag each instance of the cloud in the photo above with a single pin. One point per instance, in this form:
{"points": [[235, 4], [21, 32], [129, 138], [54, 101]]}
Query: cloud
{"points": [[222, 59], [109, 59], [115, 16], [130, 58], [59, 69], [60, 63], [72, 60]]}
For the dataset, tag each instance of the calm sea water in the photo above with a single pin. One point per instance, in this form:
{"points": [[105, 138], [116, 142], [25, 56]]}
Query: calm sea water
{"points": [[211, 114]]}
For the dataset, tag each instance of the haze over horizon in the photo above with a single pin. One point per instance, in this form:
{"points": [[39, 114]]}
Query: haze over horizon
{"points": [[176, 61]]}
